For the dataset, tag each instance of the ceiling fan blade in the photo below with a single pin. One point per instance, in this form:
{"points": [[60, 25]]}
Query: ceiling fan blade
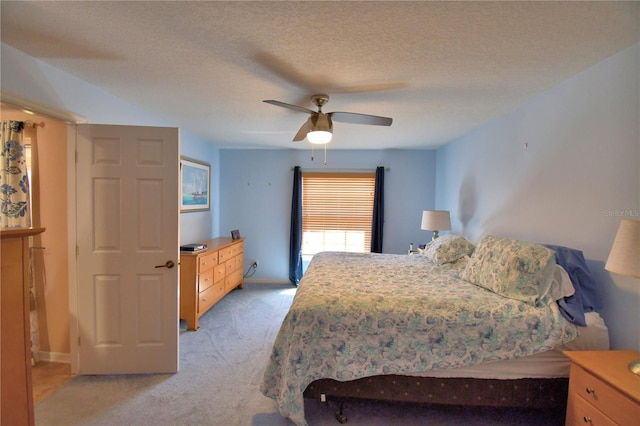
{"points": [[302, 133], [289, 106], [355, 118]]}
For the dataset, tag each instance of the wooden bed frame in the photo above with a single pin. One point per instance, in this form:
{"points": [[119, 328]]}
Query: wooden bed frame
{"points": [[516, 393]]}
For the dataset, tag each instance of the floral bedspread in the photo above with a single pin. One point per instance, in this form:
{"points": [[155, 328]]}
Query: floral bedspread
{"points": [[362, 314]]}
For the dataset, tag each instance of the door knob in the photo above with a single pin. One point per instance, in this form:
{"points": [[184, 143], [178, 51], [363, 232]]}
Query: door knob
{"points": [[168, 264]]}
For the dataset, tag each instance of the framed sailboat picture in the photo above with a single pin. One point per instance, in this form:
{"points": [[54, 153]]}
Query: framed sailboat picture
{"points": [[195, 182]]}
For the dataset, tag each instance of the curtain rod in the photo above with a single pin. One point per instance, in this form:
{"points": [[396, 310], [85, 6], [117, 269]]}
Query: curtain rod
{"points": [[32, 124], [386, 169]]}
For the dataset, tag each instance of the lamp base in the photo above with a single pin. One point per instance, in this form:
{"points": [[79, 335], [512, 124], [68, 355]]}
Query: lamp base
{"points": [[435, 235], [634, 366]]}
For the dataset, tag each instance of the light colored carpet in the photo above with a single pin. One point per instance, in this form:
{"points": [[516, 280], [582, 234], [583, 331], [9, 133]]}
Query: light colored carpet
{"points": [[221, 366]]}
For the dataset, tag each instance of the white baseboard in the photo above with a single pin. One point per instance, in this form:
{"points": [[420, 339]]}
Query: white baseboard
{"points": [[55, 357]]}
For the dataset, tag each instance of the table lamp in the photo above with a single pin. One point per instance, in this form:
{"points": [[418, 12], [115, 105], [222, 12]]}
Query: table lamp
{"points": [[624, 259], [435, 220]]}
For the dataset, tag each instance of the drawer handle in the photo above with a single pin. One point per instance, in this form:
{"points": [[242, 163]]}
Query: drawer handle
{"points": [[590, 390], [586, 419]]}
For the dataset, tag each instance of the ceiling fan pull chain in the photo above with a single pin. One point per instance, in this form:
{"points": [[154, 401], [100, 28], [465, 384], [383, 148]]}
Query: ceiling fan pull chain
{"points": [[325, 155]]}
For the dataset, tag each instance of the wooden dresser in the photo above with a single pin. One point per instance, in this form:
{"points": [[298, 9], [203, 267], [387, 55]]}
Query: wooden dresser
{"points": [[207, 275], [602, 389], [16, 394]]}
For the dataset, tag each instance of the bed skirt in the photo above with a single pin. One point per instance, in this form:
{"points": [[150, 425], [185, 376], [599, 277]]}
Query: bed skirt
{"points": [[521, 393]]}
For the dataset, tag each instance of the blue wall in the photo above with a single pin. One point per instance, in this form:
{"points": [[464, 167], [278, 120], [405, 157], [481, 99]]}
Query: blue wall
{"points": [[255, 197], [562, 168], [198, 226], [559, 168], [37, 81]]}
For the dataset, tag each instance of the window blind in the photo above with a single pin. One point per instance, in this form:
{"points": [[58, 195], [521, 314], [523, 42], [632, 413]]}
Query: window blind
{"points": [[337, 211]]}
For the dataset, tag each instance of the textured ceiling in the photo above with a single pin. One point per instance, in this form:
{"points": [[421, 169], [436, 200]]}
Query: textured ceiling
{"points": [[439, 69]]}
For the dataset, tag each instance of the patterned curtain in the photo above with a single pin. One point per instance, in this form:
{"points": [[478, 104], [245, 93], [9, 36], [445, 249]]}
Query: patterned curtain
{"points": [[14, 182]]}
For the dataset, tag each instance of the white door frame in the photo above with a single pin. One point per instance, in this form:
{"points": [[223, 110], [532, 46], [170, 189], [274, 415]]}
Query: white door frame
{"points": [[72, 249], [72, 119]]}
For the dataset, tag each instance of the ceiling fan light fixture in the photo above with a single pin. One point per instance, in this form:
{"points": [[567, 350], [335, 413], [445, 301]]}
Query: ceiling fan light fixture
{"points": [[320, 129], [319, 137]]}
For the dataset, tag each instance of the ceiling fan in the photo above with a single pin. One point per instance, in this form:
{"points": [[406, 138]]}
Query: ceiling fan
{"points": [[318, 128]]}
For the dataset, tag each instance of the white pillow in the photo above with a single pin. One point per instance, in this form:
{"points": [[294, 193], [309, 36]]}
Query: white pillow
{"points": [[561, 285]]}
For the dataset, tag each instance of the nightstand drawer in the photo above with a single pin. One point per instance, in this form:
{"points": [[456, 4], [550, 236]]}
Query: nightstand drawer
{"points": [[614, 404], [580, 413]]}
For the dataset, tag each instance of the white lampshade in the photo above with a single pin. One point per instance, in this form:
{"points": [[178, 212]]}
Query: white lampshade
{"points": [[435, 220], [624, 257]]}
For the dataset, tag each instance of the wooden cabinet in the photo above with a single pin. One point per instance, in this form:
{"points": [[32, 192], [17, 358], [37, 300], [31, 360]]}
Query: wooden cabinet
{"points": [[16, 393], [207, 275], [602, 389]]}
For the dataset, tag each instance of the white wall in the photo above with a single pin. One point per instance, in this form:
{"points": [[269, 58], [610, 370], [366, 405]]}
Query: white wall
{"points": [[562, 168], [256, 187]]}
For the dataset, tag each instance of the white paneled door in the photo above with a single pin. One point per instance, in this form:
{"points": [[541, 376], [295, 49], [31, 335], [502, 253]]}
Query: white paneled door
{"points": [[127, 218]]}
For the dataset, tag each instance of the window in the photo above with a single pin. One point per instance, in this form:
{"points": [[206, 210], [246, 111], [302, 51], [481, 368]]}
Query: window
{"points": [[337, 210]]}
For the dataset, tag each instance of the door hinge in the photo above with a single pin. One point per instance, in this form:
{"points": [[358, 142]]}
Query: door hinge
{"points": [[77, 250], [79, 340]]}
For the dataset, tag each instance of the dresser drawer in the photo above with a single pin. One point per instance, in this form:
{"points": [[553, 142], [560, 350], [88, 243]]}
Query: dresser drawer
{"points": [[205, 280], [614, 404], [581, 413], [208, 261], [210, 296], [236, 249], [239, 262], [225, 254], [230, 265], [233, 280], [219, 272]]}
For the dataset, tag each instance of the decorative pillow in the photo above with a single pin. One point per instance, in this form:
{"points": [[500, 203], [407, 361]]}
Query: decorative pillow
{"points": [[515, 269], [447, 249]]}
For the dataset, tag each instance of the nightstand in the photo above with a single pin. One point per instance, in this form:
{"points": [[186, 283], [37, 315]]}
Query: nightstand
{"points": [[602, 389]]}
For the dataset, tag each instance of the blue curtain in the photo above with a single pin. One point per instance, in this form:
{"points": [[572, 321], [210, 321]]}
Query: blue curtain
{"points": [[378, 212], [295, 243]]}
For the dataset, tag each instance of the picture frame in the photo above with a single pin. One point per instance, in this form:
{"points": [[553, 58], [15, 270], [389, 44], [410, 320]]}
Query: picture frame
{"points": [[195, 185], [235, 234]]}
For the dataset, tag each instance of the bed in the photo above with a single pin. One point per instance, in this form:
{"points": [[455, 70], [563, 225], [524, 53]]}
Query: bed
{"points": [[484, 325]]}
